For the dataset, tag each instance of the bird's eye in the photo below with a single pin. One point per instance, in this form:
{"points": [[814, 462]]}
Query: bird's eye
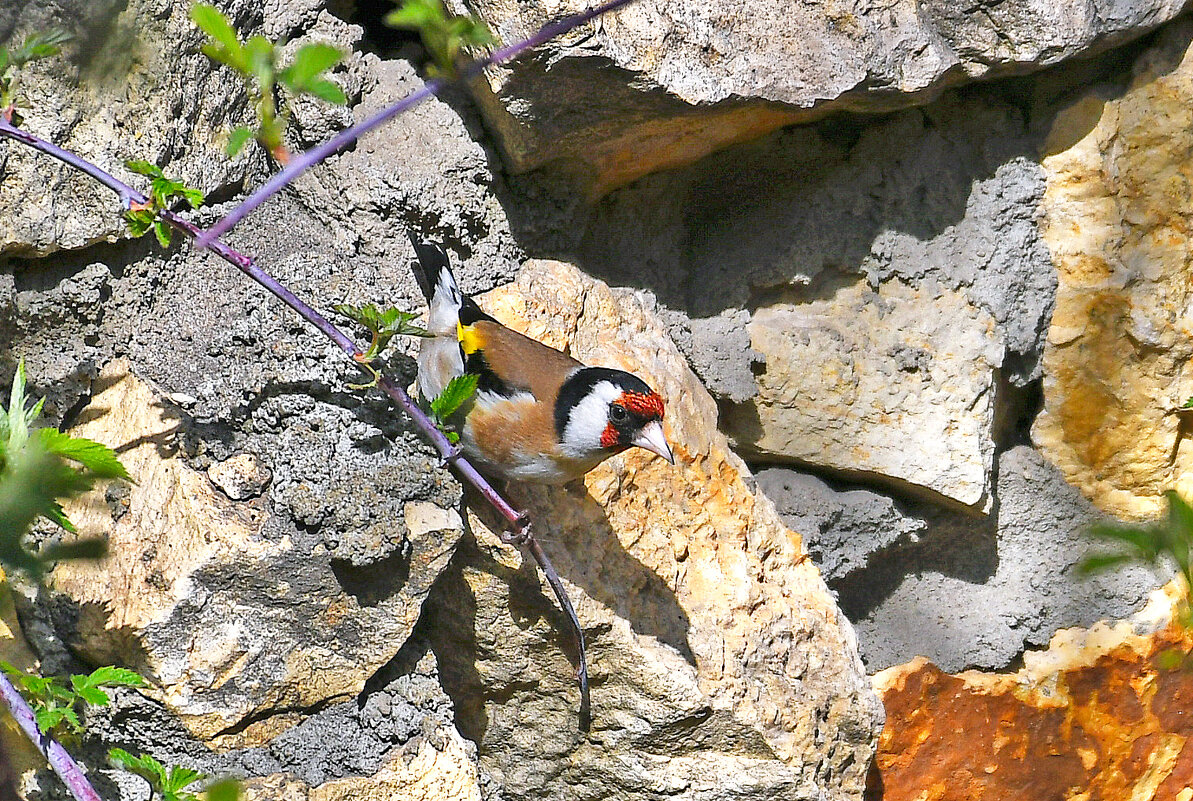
{"points": [[618, 413]]}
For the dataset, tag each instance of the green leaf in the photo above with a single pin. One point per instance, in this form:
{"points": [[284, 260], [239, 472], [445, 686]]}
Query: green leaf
{"points": [[416, 15], [39, 46], [57, 516], [227, 48], [1187, 404], [224, 790], [179, 778], [139, 221], [112, 676], [97, 458], [237, 139], [1100, 562], [259, 55], [144, 766], [94, 696], [144, 168], [193, 197], [161, 229], [327, 91], [3, 60], [453, 396], [309, 61]]}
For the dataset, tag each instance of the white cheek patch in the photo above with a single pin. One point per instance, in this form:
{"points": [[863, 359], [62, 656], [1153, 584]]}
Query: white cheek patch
{"points": [[587, 421]]}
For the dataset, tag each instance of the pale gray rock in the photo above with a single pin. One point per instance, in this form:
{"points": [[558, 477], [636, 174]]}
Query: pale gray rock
{"points": [[842, 530], [664, 82], [965, 592], [890, 280]]}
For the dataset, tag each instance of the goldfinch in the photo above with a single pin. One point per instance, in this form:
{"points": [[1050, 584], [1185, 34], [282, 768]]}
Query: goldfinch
{"points": [[538, 414]]}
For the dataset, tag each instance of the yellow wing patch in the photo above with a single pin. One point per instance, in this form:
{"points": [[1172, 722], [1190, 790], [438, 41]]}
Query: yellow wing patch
{"points": [[470, 339]]}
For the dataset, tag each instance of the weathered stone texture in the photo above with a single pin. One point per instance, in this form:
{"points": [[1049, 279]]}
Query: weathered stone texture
{"points": [[963, 591], [227, 618], [889, 279], [1117, 216], [867, 363], [664, 82], [1101, 714], [715, 649]]}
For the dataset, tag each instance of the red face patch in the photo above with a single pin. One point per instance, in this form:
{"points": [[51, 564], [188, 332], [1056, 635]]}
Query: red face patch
{"points": [[648, 405], [609, 437]]}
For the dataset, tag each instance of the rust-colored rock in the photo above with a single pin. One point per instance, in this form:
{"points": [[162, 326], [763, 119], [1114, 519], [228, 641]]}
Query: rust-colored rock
{"points": [[1102, 714]]}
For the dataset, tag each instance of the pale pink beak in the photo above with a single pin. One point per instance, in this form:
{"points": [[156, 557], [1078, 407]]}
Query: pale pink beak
{"points": [[651, 437]]}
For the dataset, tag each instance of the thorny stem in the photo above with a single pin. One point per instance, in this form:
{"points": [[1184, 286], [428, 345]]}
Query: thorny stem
{"points": [[448, 452], [62, 763], [301, 163]]}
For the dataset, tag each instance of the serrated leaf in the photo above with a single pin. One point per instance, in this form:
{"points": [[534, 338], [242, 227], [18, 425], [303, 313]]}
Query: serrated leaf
{"points": [[161, 229], [94, 696], [144, 766], [238, 138], [112, 676], [327, 91], [144, 168], [48, 717], [308, 62], [162, 188], [3, 60], [180, 778], [212, 22], [94, 456], [57, 515], [453, 396], [193, 197], [139, 221]]}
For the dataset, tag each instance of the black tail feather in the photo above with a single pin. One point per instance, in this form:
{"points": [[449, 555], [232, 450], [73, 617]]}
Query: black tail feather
{"points": [[432, 260]]}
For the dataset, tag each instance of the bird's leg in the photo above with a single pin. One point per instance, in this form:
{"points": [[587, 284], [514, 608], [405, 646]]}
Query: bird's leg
{"points": [[519, 534]]}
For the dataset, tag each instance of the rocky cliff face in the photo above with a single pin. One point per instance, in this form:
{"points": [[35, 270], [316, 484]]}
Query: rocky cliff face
{"points": [[920, 268]]}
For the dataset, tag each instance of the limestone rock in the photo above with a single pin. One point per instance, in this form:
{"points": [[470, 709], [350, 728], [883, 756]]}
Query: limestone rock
{"points": [[132, 85], [1101, 714], [891, 276], [841, 531], [242, 477], [19, 752], [721, 667], [225, 615], [438, 767], [1116, 221], [851, 380], [662, 83]]}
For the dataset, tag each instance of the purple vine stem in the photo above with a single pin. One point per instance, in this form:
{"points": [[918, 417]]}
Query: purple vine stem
{"points": [[62, 763], [520, 533], [301, 163]]}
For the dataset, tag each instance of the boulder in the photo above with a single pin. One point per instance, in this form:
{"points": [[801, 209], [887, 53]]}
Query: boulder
{"points": [[662, 83], [225, 614], [1116, 222], [721, 667], [1102, 713]]}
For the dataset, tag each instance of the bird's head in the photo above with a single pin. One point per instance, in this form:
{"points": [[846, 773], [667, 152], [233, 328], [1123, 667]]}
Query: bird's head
{"points": [[601, 411]]}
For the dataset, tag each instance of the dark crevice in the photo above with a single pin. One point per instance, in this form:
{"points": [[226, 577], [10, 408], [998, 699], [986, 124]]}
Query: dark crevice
{"points": [[378, 38]]}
